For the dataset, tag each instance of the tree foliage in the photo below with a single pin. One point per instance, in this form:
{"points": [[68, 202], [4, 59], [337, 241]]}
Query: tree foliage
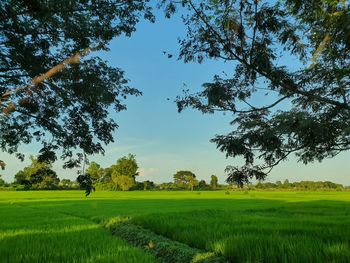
{"points": [[202, 185], [50, 91], [95, 171], [126, 165], [38, 175], [184, 179], [213, 182], [124, 172], [124, 182], [2, 182], [302, 185], [288, 91]]}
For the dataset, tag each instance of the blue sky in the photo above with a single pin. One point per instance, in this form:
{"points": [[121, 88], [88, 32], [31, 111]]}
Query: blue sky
{"points": [[163, 140]]}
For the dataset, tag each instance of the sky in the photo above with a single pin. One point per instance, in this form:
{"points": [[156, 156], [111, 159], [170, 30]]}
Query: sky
{"points": [[163, 140]]}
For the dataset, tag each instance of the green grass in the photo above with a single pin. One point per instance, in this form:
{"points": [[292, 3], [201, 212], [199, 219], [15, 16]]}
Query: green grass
{"points": [[64, 226]]}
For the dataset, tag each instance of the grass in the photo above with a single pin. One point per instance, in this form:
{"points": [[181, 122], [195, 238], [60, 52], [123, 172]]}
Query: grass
{"points": [[41, 234], [64, 226]]}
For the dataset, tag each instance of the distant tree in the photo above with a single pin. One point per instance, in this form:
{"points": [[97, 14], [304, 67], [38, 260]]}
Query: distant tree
{"points": [[124, 182], [302, 185], [49, 182], [95, 171], [2, 182], [38, 175], [21, 178], [68, 184], [213, 182], [107, 175], [124, 172], [278, 183], [183, 179], [202, 184], [167, 186], [126, 165], [147, 185], [286, 184], [192, 182]]}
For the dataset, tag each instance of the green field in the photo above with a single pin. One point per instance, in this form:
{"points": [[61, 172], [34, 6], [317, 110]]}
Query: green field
{"points": [[64, 226]]}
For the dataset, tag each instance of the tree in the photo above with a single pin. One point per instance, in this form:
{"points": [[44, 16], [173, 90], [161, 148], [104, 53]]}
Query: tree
{"points": [[124, 172], [192, 182], [49, 182], [21, 178], [2, 182], [95, 171], [38, 175], [202, 184], [213, 182], [289, 90], [68, 184], [50, 91], [107, 175], [184, 179], [147, 185], [124, 182]]}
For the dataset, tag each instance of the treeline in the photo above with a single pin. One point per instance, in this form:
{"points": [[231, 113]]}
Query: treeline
{"points": [[302, 185], [38, 176], [122, 175]]}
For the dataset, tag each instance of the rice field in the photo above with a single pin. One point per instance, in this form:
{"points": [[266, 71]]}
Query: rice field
{"points": [[65, 226]]}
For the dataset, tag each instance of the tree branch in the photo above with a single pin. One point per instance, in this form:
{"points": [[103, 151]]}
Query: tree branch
{"points": [[292, 88]]}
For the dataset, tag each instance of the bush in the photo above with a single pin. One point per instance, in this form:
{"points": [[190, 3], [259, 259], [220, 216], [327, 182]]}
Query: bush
{"points": [[167, 250]]}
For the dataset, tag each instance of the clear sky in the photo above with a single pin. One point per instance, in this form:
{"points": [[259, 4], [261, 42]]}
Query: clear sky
{"points": [[163, 140]]}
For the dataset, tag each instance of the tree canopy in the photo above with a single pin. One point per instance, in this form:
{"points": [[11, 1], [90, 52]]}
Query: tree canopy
{"points": [[213, 182], [50, 90], [184, 179], [288, 91], [95, 171], [124, 172], [38, 175]]}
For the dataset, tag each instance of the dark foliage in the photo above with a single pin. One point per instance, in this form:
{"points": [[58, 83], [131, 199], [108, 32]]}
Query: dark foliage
{"points": [[288, 90], [85, 182], [50, 90]]}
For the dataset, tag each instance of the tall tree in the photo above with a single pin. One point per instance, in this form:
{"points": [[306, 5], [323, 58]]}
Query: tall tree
{"points": [[50, 91], [202, 185], [213, 182], [124, 172], [124, 182], [95, 171], [289, 89], [185, 179], [38, 175], [2, 182]]}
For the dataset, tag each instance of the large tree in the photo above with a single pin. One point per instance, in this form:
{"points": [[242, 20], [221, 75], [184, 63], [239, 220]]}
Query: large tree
{"points": [[184, 179], [95, 171], [50, 90], [289, 87], [213, 182], [38, 175], [124, 172]]}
